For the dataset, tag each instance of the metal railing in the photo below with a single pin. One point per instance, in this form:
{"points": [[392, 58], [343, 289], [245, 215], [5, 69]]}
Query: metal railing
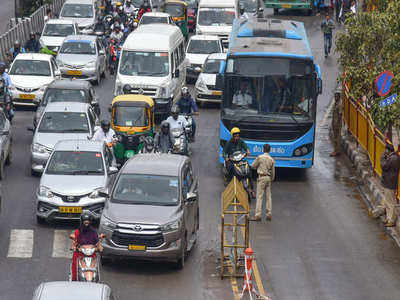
{"points": [[362, 127], [21, 31]]}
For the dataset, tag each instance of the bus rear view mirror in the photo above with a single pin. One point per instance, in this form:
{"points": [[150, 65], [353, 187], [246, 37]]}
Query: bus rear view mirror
{"points": [[219, 82]]}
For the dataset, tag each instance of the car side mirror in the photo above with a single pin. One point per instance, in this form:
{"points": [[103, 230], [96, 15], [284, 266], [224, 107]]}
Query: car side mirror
{"points": [[57, 73], [30, 128], [191, 197], [5, 132], [155, 6], [104, 193], [39, 168], [176, 73], [112, 170], [94, 102], [197, 69], [102, 52], [109, 109], [219, 82]]}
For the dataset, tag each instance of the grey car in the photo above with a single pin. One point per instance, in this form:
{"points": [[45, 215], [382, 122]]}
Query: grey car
{"points": [[60, 121], [152, 211], [83, 12], [66, 90], [5, 142], [67, 290], [82, 57], [75, 173]]}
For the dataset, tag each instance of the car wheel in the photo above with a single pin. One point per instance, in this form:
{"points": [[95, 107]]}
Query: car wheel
{"points": [[40, 220], [276, 11], [181, 261], [9, 157]]}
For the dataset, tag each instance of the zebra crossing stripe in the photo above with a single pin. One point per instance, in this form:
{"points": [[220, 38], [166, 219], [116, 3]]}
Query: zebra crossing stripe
{"points": [[61, 244], [21, 243]]}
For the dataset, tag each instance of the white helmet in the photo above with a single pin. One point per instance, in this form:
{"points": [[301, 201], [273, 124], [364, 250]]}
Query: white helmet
{"points": [[185, 90]]}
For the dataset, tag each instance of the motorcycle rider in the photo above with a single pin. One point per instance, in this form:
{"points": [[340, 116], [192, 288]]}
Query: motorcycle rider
{"points": [[187, 105], [6, 99], [84, 235], [163, 141], [32, 45], [175, 120], [104, 133], [4, 75], [145, 7], [233, 145], [128, 7], [99, 26], [14, 51], [116, 34]]}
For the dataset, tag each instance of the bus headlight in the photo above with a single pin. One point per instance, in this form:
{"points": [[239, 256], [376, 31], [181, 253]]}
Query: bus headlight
{"points": [[303, 150]]}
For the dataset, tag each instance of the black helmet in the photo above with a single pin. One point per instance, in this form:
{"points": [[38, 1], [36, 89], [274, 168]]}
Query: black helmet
{"points": [[164, 124], [104, 124], [86, 216], [175, 109], [127, 89]]}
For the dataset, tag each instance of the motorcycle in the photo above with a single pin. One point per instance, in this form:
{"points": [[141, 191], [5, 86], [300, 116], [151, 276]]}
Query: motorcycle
{"points": [[148, 144], [189, 128], [180, 141], [88, 261], [6, 104], [115, 52], [241, 170]]}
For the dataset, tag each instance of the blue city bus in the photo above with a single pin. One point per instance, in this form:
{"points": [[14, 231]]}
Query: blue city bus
{"points": [[270, 85]]}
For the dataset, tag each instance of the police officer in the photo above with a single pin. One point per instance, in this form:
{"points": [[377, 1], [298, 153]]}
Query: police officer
{"points": [[265, 166], [336, 125]]}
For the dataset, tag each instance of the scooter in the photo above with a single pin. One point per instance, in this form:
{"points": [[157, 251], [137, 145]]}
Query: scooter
{"points": [[180, 141], [241, 170]]}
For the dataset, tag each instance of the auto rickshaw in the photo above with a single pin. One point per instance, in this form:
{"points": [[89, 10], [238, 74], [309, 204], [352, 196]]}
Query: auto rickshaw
{"points": [[178, 11], [132, 119]]}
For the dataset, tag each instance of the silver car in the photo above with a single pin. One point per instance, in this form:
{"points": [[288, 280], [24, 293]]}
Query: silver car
{"points": [[75, 173], [82, 57], [83, 12], [67, 290], [60, 121], [5, 142], [152, 211]]}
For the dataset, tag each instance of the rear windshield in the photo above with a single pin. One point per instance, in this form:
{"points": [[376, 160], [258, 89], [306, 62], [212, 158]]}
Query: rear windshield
{"points": [[64, 95]]}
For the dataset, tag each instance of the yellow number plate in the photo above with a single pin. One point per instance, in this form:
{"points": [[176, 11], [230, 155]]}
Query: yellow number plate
{"points": [[70, 209], [286, 6], [137, 247], [74, 72], [26, 96], [216, 93]]}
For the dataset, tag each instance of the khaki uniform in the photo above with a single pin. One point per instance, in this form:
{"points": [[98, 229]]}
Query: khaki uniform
{"points": [[337, 125], [265, 166]]}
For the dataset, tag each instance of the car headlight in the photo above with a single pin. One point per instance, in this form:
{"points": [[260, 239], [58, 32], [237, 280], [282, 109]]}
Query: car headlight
{"points": [[107, 223], [163, 92], [172, 226], [201, 84], [45, 192], [303, 150], [36, 147], [92, 64], [43, 88], [95, 194]]}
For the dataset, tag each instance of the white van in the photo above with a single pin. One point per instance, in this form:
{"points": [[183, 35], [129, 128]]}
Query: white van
{"points": [[152, 62], [215, 17]]}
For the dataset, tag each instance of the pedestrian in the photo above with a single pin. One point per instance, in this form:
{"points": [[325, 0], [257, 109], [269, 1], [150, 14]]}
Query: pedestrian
{"points": [[390, 164], [327, 27], [265, 166], [337, 125], [338, 7]]}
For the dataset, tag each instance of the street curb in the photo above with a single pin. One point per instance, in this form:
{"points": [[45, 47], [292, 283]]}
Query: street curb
{"points": [[369, 186]]}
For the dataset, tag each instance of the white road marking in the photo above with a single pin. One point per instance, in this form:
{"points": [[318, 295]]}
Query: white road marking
{"points": [[328, 111], [61, 244], [21, 243]]}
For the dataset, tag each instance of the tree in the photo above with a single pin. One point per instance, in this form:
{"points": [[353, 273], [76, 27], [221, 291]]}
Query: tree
{"points": [[369, 45]]}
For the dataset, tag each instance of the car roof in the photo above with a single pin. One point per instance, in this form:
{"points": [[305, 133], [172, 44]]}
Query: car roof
{"points": [[134, 97], [33, 56], [156, 14], [204, 37], [67, 106], [81, 37], [60, 21], [155, 164], [70, 84], [71, 290], [221, 56], [79, 145], [79, 2]]}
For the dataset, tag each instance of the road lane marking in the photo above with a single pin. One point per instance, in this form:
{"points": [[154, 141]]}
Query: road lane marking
{"points": [[61, 244], [21, 243], [328, 111]]}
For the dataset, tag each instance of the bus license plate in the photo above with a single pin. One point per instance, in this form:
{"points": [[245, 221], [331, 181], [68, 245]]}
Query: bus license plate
{"points": [[137, 247], [216, 93], [74, 72], [286, 6], [70, 209], [27, 96]]}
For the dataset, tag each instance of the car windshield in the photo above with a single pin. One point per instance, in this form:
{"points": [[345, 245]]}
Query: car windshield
{"points": [[151, 20], [77, 11], [144, 63], [174, 9], [58, 30], [211, 66], [249, 6], [30, 67], [137, 3], [64, 122], [216, 16], [75, 163], [64, 95], [146, 190], [192, 3], [203, 46], [128, 116], [78, 47]]}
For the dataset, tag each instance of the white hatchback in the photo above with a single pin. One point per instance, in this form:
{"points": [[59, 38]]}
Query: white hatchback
{"points": [[30, 74]]}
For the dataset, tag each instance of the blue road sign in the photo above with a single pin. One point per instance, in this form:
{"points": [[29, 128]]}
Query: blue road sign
{"points": [[383, 83], [388, 101]]}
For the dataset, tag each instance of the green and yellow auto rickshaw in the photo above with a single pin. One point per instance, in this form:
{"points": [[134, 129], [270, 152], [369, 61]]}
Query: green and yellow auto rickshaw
{"points": [[178, 11], [132, 119]]}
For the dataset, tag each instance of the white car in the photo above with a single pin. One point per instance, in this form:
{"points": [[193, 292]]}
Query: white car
{"points": [[197, 50], [205, 90], [156, 17], [30, 74], [83, 12], [55, 31]]}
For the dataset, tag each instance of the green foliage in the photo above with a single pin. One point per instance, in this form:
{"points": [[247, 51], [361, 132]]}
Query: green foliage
{"points": [[30, 6], [369, 45]]}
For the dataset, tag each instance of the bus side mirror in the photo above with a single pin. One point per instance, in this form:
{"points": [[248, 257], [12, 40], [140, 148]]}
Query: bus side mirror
{"points": [[319, 86], [219, 82]]}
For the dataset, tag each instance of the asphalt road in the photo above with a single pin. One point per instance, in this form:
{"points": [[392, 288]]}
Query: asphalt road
{"points": [[320, 245], [6, 12]]}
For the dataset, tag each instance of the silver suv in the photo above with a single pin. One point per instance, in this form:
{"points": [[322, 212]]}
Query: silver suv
{"points": [[72, 179], [152, 211]]}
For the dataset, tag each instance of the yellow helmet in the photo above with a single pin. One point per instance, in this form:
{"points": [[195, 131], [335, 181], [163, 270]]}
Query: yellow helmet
{"points": [[118, 4], [235, 130]]}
